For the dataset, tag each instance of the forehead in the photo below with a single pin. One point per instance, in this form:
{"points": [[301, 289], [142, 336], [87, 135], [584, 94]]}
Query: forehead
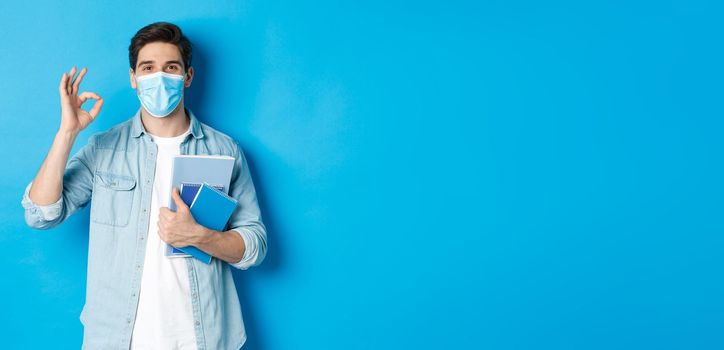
{"points": [[159, 52]]}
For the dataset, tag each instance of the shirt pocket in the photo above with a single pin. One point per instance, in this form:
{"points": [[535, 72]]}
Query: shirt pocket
{"points": [[112, 198]]}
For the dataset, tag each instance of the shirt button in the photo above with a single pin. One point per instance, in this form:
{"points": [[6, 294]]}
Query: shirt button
{"points": [[128, 320], [197, 323]]}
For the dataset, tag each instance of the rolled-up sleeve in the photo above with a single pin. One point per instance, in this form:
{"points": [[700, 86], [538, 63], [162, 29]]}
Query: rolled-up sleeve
{"points": [[36, 213], [246, 219], [76, 193], [251, 253]]}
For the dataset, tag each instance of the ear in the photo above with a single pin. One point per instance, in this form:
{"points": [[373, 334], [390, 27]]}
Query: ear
{"points": [[132, 78], [189, 77]]}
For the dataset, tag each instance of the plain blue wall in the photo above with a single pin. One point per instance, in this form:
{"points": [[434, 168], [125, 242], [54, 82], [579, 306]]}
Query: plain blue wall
{"points": [[434, 175]]}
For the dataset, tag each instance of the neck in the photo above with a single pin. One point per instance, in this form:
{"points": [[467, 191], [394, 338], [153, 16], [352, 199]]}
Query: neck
{"points": [[173, 125]]}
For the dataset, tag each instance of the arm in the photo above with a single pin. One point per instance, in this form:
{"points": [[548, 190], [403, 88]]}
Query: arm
{"points": [[48, 183], [54, 193], [227, 245], [247, 220]]}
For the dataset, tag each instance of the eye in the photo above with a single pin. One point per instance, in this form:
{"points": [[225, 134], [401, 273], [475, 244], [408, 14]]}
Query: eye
{"points": [[146, 68]]}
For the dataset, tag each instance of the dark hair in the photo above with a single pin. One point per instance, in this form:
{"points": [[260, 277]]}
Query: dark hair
{"points": [[163, 32]]}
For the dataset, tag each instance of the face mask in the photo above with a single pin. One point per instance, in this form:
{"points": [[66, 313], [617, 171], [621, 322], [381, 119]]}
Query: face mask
{"points": [[160, 92]]}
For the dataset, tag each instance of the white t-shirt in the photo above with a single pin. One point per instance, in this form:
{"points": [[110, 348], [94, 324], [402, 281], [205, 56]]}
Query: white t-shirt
{"points": [[164, 319]]}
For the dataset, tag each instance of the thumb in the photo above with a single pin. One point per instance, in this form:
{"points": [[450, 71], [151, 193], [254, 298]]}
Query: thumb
{"points": [[180, 205]]}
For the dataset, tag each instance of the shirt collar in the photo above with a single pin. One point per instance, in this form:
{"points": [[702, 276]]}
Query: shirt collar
{"points": [[137, 127]]}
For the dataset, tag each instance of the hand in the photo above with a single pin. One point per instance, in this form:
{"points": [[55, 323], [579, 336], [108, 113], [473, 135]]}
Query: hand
{"points": [[73, 117], [179, 229]]}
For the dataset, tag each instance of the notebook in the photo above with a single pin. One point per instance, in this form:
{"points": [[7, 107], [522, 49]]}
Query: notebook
{"points": [[189, 191], [212, 208]]}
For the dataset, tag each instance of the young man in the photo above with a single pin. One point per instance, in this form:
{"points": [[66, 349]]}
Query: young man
{"points": [[136, 297]]}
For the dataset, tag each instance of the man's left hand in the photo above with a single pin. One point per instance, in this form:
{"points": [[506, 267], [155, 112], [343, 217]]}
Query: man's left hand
{"points": [[179, 228]]}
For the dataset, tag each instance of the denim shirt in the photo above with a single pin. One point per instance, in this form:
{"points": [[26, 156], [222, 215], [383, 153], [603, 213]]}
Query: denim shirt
{"points": [[115, 173]]}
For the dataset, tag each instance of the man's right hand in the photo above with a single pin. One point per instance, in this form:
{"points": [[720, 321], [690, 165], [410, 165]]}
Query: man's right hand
{"points": [[73, 117]]}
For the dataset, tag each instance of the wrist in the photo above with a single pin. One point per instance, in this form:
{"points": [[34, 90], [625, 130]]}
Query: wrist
{"points": [[66, 134], [204, 235]]}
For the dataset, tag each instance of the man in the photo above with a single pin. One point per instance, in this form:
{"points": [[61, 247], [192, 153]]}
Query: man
{"points": [[136, 297]]}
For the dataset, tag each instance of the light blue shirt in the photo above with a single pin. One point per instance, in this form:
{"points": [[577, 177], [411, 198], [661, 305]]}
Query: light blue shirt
{"points": [[114, 172]]}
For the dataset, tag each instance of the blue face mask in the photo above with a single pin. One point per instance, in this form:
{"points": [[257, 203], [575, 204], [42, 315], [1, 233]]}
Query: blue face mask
{"points": [[160, 92]]}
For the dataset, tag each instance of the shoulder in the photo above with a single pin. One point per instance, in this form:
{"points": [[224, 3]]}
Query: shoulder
{"points": [[220, 140]]}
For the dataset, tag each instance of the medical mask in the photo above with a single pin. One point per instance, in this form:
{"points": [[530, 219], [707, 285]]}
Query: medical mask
{"points": [[160, 92]]}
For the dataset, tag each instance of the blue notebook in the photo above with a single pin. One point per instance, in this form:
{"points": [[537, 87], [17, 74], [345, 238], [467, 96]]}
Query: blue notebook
{"points": [[212, 208], [197, 169], [189, 191]]}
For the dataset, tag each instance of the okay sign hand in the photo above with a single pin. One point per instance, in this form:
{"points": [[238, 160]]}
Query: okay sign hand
{"points": [[73, 117]]}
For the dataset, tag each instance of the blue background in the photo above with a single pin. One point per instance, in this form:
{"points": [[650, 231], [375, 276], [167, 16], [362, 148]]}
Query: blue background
{"points": [[433, 175]]}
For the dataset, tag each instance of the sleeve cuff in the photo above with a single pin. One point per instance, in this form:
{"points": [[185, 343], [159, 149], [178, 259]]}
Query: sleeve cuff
{"points": [[47, 212], [250, 252]]}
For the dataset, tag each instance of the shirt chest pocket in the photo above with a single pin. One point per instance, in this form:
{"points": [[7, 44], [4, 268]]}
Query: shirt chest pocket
{"points": [[112, 198]]}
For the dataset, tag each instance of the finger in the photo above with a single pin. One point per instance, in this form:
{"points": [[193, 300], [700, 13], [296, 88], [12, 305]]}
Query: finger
{"points": [[86, 95], [63, 84], [69, 83], [177, 198], [77, 81], [165, 214], [96, 108], [161, 233]]}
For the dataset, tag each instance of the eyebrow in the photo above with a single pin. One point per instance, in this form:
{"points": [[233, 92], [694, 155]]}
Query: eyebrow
{"points": [[167, 62]]}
